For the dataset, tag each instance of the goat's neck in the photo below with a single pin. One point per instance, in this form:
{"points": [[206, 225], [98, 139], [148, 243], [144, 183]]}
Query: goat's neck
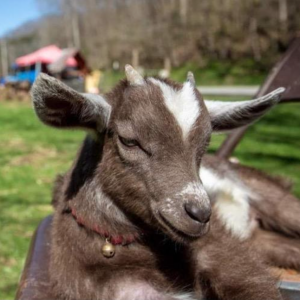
{"points": [[97, 209]]}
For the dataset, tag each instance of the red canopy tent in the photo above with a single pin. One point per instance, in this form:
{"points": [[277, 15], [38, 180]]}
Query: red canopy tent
{"points": [[46, 55]]}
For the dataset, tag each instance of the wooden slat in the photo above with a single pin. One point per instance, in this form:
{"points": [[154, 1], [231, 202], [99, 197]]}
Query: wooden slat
{"points": [[34, 283]]}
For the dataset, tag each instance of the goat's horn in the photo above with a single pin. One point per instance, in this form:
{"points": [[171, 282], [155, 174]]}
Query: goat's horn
{"points": [[133, 76], [190, 78]]}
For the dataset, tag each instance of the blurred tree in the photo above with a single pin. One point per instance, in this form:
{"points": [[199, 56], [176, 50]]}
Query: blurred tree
{"points": [[153, 32]]}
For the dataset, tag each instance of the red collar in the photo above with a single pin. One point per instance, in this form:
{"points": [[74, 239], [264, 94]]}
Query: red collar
{"points": [[114, 239]]}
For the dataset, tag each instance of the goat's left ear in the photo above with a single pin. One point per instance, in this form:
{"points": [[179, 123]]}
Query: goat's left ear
{"points": [[226, 116], [58, 105]]}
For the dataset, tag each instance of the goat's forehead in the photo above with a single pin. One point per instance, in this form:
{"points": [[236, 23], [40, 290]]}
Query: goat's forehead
{"points": [[156, 99], [182, 102]]}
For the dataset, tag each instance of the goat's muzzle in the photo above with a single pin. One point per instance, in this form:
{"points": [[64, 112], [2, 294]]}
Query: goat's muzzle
{"points": [[186, 213]]}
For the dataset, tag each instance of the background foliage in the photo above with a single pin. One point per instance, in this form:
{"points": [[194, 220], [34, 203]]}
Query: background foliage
{"points": [[158, 32]]}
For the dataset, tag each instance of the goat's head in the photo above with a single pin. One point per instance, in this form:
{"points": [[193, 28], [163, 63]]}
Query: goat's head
{"points": [[155, 134]]}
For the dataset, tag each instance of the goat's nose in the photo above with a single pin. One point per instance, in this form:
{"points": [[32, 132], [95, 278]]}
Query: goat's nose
{"points": [[196, 213]]}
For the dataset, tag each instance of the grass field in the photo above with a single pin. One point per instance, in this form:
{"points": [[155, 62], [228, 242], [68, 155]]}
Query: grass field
{"points": [[246, 72], [31, 155]]}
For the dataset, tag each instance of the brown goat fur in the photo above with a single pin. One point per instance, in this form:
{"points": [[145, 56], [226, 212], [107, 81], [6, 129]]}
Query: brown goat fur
{"points": [[280, 209], [277, 249], [138, 176], [274, 211]]}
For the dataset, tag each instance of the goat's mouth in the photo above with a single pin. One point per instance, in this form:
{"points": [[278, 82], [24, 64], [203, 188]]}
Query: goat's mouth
{"points": [[195, 231]]}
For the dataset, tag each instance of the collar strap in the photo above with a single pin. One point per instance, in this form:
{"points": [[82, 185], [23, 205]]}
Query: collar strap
{"points": [[113, 239]]}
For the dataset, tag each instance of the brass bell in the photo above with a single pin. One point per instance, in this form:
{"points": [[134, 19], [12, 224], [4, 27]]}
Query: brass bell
{"points": [[108, 249]]}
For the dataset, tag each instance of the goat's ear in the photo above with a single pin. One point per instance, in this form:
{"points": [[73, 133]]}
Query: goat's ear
{"points": [[58, 105], [226, 116]]}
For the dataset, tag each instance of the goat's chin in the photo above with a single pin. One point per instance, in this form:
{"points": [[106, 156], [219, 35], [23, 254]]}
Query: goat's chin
{"points": [[179, 234]]}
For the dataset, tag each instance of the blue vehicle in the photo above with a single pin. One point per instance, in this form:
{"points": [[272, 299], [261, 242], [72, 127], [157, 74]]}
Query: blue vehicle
{"points": [[65, 64]]}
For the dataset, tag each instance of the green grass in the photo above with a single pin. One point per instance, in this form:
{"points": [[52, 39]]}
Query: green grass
{"points": [[244, 72], [31, 155], [225, 73]]}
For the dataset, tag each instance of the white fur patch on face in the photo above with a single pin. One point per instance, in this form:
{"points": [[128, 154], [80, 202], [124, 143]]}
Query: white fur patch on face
{"points": [[231, 202], [183, 104]]}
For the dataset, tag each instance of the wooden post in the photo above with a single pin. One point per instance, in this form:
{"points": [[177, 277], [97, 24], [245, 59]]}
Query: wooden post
{"points": [[75, 30], [4, 58], [135, 58], [167, 64], [183, 10], [283, 15]]}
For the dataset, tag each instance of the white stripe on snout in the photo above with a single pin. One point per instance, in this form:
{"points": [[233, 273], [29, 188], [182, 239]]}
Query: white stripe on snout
{"points": [[192, 189], [183, 104], [195, 189]]}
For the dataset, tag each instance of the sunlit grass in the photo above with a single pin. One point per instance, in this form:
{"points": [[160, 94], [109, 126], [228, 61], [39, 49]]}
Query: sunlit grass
{"points": [[30, 157], [245, 72]]}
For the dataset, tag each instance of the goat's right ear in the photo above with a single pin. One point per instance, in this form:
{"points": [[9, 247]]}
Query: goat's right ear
{"points": [[58, 105], [226, 116]]}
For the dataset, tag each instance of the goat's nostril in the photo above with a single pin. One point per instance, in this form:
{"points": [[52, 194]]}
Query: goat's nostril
{"points": [[196, 213]]}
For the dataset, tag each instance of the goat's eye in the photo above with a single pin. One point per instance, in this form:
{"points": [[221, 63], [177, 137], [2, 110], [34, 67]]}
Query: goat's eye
{"points": [[128, 142]]}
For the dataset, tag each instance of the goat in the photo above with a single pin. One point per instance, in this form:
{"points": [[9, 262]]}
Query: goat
{"points": [[132, 217]]}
